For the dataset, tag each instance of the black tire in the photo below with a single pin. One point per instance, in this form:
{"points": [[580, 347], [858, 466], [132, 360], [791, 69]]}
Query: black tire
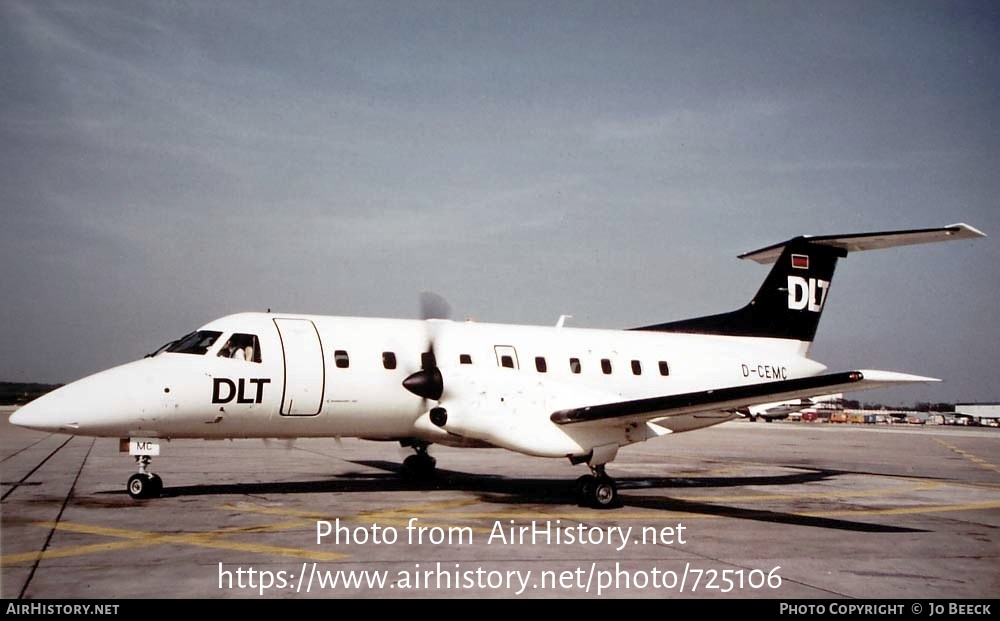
{"points": [[419, 466], [604, 494], [142, 486], [156, 486], [585, 489]]}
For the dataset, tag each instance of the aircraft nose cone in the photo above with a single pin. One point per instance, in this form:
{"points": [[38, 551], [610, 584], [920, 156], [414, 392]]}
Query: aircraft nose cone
{"points": [[17, 417], [100, 404], [40, 414]]}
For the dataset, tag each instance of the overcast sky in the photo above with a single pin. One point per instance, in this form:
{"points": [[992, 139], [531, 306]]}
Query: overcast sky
{"points": [[164, 163]]}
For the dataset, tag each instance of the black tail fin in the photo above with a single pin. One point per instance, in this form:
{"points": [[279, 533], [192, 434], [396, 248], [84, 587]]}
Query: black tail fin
{"points": [[790, 302], [788, 305]]}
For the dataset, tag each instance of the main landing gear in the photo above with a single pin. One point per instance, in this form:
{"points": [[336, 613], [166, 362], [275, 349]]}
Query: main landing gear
{"points": [[144, 484], [597, 490], [419, 465]]}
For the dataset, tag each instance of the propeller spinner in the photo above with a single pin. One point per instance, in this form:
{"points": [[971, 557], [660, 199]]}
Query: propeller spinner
{"points": [[426, 383]]}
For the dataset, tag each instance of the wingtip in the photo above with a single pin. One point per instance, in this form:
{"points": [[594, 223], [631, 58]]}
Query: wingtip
{"points": [[874, 375], [967, 230]]}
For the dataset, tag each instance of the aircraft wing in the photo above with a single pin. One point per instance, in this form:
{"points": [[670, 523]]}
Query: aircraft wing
{"points": [[734, 397]]}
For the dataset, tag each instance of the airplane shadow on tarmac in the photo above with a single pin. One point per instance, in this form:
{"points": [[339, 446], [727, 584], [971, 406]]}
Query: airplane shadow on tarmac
{"points": [[496, 489]]}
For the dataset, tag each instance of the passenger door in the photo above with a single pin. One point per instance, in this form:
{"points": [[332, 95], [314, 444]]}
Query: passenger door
{"points": [[305, 372]]}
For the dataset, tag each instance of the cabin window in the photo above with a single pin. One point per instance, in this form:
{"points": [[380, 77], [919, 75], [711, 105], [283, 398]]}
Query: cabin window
{"points": [[540, 365], [636, 367], [574, 365], [606, 366], [664, 368], [389, 360], [506, 361], [427, 360], [464, 359], [195, 343], [241, 347], [341, 359]]}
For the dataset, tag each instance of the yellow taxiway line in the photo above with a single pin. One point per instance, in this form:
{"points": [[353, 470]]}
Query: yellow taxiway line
{"points": [[979, 461]]}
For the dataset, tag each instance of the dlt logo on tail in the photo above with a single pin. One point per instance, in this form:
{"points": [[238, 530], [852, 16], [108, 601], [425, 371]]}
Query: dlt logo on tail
{"points": [[809, 294]]}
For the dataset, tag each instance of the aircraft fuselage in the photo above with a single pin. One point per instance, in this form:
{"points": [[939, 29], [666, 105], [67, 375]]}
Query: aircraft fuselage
{"points": [[322, 376]]}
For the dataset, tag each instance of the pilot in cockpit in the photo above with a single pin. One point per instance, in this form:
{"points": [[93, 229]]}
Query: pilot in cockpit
{"points": [[240, 347]]}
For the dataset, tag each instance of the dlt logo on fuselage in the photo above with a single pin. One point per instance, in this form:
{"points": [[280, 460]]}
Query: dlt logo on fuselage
{"points": [[231, 390], [810, 294]]}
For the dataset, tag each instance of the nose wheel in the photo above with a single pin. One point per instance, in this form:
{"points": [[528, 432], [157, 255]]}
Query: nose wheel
{"points": [[144, 484]]}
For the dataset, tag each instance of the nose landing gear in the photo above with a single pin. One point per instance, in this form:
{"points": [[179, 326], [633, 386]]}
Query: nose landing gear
{"points": [[144, 484]]}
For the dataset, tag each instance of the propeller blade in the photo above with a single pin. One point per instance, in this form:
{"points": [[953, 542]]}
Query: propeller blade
{"points": [[433, 306], [427, 382]]}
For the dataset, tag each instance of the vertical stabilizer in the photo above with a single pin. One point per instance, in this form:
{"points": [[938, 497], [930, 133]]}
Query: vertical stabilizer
{"points": [[790, 302]]}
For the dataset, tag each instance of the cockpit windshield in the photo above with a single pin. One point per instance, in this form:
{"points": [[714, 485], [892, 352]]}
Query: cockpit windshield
{"points": [[161, 349], [194, 343]]}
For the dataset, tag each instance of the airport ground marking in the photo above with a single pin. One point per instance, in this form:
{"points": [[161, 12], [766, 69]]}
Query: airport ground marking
{"points": [[206, 539], [439, 514], [212, 539], [973, 458], [138, 538], [434, 514], [973, 506], [318, 515], [52, 553], [275, 527], [660, 515], [673, 515], [437, 511], [819, 495], [383, 517], [152, 540]]}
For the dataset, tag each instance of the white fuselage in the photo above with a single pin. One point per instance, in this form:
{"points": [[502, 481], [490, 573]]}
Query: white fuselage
{"points": [[320, 376]]}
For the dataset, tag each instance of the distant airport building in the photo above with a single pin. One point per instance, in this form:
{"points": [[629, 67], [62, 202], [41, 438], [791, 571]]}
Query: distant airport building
{"points": [[982, 413]]}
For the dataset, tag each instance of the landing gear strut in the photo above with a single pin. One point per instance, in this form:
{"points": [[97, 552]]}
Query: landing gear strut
{"points": [[144, 484], [597, 490], [420, 465]]}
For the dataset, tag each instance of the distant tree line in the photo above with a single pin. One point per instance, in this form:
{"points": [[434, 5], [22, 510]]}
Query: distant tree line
{"points": [[19, 393]]}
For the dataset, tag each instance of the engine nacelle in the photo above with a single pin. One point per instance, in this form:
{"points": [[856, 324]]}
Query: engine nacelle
{"points": [[505, 410]]}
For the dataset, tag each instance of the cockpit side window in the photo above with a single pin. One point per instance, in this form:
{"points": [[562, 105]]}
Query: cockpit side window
{"points": [[241, 347], [195, 343]]}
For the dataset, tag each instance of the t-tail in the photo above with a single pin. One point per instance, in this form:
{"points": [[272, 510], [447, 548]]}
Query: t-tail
{"points": [[790, 302]]}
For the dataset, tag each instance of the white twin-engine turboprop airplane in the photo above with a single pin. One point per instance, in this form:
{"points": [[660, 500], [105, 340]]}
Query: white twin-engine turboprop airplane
{"points": [[547, 391]]}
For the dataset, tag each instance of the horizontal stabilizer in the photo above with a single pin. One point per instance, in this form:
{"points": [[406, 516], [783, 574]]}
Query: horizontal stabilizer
{"points": [[735, 397], [856, 242]]}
